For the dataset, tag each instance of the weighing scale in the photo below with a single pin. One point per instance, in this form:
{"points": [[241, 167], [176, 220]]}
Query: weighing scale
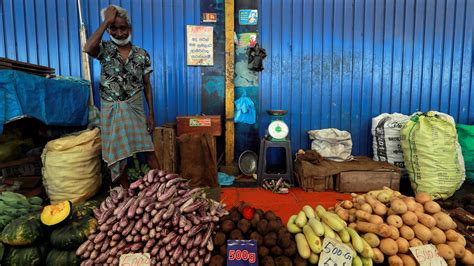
{"points": [[278, 129]]}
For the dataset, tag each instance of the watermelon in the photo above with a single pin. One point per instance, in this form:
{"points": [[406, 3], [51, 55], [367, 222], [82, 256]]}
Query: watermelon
{"points": [[21, 256], [62, 258], [22, 231], [70, 236]]}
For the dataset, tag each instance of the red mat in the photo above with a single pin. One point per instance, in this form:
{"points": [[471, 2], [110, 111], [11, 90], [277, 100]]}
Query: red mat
{"points": [[284, 205]]}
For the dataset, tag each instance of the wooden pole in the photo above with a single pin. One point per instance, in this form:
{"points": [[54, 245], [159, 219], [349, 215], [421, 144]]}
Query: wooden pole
{"points": [[229, 82]]}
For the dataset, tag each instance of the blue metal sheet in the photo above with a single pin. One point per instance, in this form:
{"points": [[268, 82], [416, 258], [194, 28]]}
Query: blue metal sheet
{"points": [[47, 32], [338, 63]]}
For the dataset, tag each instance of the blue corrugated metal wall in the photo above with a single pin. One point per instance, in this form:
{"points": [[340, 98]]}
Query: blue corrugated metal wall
{"points": [[46, 32], [338, 63], [332, 63]]}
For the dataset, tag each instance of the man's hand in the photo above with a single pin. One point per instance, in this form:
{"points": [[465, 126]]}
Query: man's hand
{"points": [[150, 124], [110, 14]]}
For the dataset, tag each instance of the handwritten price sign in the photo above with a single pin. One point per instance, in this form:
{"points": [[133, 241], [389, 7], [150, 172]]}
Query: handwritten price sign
{"points": [[242, 252], [427, 255], [335, 253], [135, 259]]}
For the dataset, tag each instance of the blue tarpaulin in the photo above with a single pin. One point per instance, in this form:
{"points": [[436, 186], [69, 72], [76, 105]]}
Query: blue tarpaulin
{"points": [[54, 102]]}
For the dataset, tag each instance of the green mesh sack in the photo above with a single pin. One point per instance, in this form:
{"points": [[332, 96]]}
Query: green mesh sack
{"points": [[432, 154], [466, 140]]}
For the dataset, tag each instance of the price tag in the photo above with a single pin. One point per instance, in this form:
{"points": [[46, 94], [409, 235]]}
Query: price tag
{"points": [[242, 252], [135, 259], [335, 253], [427, 255]]}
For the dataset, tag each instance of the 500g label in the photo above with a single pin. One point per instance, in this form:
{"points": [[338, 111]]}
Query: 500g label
{"points": [[242, 255]]}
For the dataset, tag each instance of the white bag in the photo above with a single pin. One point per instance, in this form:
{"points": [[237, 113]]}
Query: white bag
{"points": [[332, 144], [386, 138]]}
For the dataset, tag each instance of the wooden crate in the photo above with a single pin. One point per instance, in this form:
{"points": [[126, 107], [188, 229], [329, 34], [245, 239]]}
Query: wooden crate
{"points": [[210, 124], [315, 183], [364, 181], [166, 150]]}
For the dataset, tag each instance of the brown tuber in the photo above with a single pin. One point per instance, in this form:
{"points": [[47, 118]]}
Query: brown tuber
{"points": [[255, 220], [283, 261], [227, 226], [269, 215], [235, 215], [274, 225], [276, 251], [284, 241], [236, 234], [262, 227], [291, 250], [244, 225], [223, 251], [270, 240], [263, 251], [217, 260], [219, 239], [268, 261], [258, 237], [299, 261]]}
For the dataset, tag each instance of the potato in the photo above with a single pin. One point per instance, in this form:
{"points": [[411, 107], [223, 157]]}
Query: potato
{"points": [[395, 261], [372, 239], [398, 206], [461, 239], [422, 232], [445, 251], [422, 197], [408, 260], [451, 235], [394, 233], [352, 211], [390, 212], [366, 207], [378, 256], [407, 233], [468, 258], [403, 245], [443, 221], [388, 246], [451, 262], [415, 242], [458, 249], [347, 204], [395, 220], [438, 236], [426, 219], [375, 219], [411, 204], [410, 218], [431, 207], [419, 208]]}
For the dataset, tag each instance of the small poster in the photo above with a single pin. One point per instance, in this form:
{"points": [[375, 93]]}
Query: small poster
{"points": [[247, 39], [200, 45], [248, 16], [209, 17]]}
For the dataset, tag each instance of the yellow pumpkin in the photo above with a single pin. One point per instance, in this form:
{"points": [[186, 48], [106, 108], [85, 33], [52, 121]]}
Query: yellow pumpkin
{"points": [[56, 214]]}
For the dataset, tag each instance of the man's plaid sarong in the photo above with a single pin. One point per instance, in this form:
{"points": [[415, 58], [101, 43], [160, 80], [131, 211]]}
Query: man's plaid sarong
{"points": [[124, 132]]}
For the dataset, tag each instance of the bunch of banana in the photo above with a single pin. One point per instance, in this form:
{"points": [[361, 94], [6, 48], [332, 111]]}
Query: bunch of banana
{"points": [[311, 226], [14, 205]]}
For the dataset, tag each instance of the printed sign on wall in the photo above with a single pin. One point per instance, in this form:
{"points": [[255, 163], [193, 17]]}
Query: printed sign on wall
{"points": [[200, 46], [248, 16]]}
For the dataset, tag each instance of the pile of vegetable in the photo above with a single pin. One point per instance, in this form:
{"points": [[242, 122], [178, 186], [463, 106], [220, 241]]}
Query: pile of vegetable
{"points": [[462, 212], [276, 246], [159, 214], [391, 223], [21, 230], [311, 226]]}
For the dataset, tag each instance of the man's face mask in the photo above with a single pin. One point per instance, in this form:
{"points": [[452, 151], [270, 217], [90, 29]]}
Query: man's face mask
{"points": [[120, 32]]}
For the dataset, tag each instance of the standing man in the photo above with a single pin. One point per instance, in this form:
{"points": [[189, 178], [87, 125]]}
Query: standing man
{"points": [[125, 72]]}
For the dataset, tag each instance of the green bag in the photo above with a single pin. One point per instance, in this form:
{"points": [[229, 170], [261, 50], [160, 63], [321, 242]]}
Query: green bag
{"points": [[432, 154], [466, 139]]}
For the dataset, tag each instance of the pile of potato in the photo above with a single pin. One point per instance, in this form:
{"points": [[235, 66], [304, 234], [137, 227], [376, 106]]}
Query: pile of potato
{"points": [[391, 223], [311, 226]]}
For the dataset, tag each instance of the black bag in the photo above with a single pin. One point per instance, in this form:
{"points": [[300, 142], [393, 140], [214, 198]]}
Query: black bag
{"points": [[255, 55]]}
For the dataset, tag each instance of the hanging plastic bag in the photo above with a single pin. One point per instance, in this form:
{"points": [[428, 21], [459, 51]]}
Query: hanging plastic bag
{"points": [[245, 110], [255, 55]]}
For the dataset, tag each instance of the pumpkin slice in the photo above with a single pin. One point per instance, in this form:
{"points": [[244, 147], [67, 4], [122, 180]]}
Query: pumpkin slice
{"points": [[56, 214]]}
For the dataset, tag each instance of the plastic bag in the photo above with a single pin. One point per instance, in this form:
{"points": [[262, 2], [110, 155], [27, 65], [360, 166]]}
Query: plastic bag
{"points": [[245, 110], [333, 144], [255, 55]]}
